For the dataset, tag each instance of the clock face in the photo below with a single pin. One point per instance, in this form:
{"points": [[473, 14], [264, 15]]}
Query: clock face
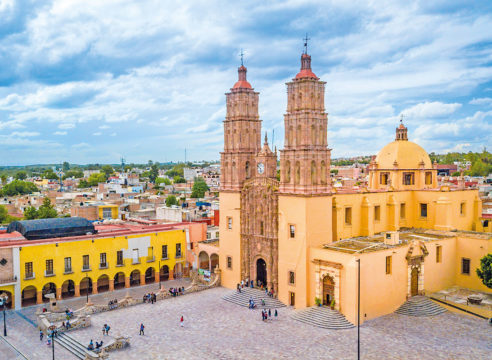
{"points": [[261, 168]]}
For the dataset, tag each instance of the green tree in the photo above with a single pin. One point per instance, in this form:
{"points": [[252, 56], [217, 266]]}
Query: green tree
{"points": [[171, 200], [4, 214], [4, 179], [30, 213], [153, 173], [96, 178], [456, 173], [83, 184], [20, 175], [18, 187], [50, 174], [485, 270], [75, 173], [179, 180], [199, 188], [47, 210], [108, 170], [164, 181], [65, 166]]}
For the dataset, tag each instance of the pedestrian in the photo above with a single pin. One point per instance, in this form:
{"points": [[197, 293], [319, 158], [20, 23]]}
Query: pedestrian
{"points": [[142, 327], [104, 329], [276, 314], [107, 329], [182, 321], [41, 334], [242, 284], [270, 313]]}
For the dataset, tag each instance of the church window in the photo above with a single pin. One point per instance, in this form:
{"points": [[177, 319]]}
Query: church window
{"points": [[438, 253], [388, 265], [323, 172], [292, 231], [321, 135], [377, 213], [262, 228], [313, 135], [229, 222], [291, 136], [298, 136], [465, 266], [298, 173], [229, 262], [234, 174], [428, 178], [384, 177], [287, 171], [402, 211], [348, 216], [292, 278], [408, 178], [462, 208], [248, 170], [314, 177], [423, 210]]}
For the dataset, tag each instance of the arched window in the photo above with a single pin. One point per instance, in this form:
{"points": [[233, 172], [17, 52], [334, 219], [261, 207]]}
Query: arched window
{"points": [[298, 173], [323, 172], [298, 136], [313, 135], [314, 177], [321, 135], [291, 136], [287, 171], [248, 170]]}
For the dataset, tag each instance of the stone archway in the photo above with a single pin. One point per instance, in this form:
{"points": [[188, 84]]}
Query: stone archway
{"points": [[68, 289], [214, 261], [135, 278], [149, 275], [203, 261], [119, 280], [261, 272], [328, 290], [164, 273], [102, 283], [49, 288], [29, 294]]}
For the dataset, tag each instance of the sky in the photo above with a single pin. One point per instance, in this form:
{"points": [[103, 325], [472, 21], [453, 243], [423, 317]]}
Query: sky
{"points": [[93, 81]]}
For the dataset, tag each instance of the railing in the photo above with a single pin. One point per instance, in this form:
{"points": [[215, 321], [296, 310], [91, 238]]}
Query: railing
{"points": [[49, 273], [150, 258], [86, 267], [68, 270], [103, 265], [9, 280]]}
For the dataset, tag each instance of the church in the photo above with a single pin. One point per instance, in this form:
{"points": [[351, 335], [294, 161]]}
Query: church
{"points": [[306, 240]]}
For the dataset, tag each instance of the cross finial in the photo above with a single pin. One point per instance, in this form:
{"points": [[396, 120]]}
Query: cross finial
{"points": [[306, 39], [401, 118], [242, 57]]}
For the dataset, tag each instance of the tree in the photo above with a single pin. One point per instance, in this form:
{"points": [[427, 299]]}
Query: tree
{"points": [[96, 178], [171, 200], [456, 173], [108, 170], [199, 188], [4, 179], [83, 184], [21, 175], [18, 187], [164, 181], [30, 213], [179, 180], [485, 270], [4, 214], [47, 210], [153, 173], [50, 174], [75, 173], [65, 166]]}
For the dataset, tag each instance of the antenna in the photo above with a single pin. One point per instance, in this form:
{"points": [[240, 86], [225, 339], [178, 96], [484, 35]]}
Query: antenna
{"points": [[306, 39], [242, 57]]}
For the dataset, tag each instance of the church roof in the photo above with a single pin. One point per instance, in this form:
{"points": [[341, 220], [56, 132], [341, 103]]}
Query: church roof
{"points": [[407, 154], [306, 72], [242, 83]]}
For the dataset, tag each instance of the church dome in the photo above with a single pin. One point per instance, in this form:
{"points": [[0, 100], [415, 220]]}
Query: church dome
{"points": [[407, 154]]}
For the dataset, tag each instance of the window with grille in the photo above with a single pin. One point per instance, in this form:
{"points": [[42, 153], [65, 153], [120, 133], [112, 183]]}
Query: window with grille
{"points": [[164, 251], [408, 178], [119, 257], [85, 262], [28, 268], [292, 230], [229, 262], [68, 264], [292, 278], [178, 250], [465, 266], [388, 264], [423, 210], [49, 267], [102, 260]]}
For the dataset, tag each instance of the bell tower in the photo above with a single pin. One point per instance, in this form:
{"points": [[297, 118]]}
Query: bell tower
{"points": [[242, 134], [305, 159]]}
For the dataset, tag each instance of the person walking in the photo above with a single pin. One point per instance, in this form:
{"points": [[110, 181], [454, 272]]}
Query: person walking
{"points": [[107, 329], [104, 329], [142, 327], [182, 321], [276, 314], [270, 314], [41, 334]]}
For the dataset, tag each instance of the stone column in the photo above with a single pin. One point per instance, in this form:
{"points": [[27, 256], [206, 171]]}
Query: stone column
{"points": [[58, 293], [157, 276], [127, 281], [111, 284], [77, 290], [171, 275], [142, 279], [94, 288], [39, 297]]}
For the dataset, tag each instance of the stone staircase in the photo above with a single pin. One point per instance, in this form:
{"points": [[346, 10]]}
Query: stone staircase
{"points": [[73, 346], [420, 306], [257, 295], [323, 317]]}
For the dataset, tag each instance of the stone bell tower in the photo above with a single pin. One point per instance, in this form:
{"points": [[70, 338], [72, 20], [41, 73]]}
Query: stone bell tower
{"points": [[305, 159]]}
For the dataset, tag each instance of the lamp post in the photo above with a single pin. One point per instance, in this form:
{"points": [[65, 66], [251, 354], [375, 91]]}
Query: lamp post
{"points": [[358, 308], [87, 289], [160, 275], [53, 333], [3, 302]]}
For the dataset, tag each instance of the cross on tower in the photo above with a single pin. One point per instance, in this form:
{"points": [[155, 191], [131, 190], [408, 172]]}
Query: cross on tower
{"points": [[401, 118], [242, 57], [306, 43]]}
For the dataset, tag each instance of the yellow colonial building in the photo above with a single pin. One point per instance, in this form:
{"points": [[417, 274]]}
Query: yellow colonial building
{"points": [[109, 257], [305, 240]]}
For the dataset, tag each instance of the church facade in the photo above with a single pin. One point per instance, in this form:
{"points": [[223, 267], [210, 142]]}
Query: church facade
{"points": [[304, 239]]}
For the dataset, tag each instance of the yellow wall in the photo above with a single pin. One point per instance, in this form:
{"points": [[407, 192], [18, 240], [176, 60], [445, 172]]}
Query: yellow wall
{"points": [[230, 239], [114, 211], [472, 248], [38, 254]]}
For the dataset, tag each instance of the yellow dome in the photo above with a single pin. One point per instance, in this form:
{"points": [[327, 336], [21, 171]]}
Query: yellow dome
{"points": [[407, 154]]}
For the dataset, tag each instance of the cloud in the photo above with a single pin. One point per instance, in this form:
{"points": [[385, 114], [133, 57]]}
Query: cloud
{"points": [[97, 133], [104, 127], [481, 101], [24, 134], [60, 133], [430, 110]]}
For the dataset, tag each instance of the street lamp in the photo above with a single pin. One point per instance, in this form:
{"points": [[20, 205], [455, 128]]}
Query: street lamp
{"points": [[53, 333], [87, 289], [160, 275], [358, 308], [3, 302]]}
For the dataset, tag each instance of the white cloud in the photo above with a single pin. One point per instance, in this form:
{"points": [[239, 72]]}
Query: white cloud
{"points": [[60, 133], [97, 133], [24, 134], [481, 101], [103, 127], [430, 110]]}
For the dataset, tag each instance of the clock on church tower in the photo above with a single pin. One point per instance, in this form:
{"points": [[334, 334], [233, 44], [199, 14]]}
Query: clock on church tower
{"points": [[266, 161], [261, 168]]}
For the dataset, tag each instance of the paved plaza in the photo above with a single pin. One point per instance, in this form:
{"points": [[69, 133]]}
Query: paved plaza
{"points": [[217, 329]]}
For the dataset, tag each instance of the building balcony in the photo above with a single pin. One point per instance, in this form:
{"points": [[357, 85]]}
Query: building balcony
{"points": [[68, 271], [150, 259], [103, 265], [29, 276], [48, 273], [9, 280], [86, 268], [120, 263]]}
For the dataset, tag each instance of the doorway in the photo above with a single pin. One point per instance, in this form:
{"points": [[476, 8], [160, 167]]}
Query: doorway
{"points": [[328, 290], [292, 298], [414, 283], [261, 272]]}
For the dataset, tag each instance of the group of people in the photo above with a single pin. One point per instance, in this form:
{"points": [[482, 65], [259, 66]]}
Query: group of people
{"points": [[177, 291], [92, 347], [113, 304], [49, 338], [265, 315], [150, 298], [66, 324], [252, 304], [68, 313]]}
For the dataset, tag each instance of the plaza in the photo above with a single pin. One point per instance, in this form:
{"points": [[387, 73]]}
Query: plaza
{"points": [[217, 329]]}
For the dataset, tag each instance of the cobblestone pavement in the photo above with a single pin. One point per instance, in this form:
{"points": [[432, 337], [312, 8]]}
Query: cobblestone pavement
{"points": [[217, 329]]}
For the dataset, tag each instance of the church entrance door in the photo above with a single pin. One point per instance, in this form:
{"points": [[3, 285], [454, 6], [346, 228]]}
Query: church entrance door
{"points": [[414, 284], [261, 272], [328, 290]]}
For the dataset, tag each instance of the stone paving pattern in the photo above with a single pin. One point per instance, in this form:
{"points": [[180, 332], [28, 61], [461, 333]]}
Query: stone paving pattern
{"points": [[217, 329]]}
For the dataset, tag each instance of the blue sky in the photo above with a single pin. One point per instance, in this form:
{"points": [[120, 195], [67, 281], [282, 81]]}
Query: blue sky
{"points": [[91, 81]]}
